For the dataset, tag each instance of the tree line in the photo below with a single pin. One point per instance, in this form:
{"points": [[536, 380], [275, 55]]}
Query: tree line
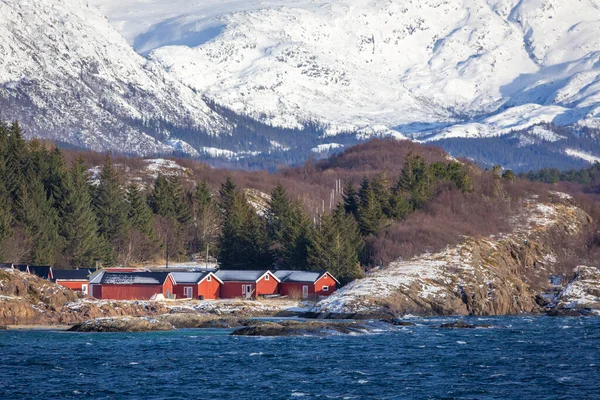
{"points": [[53, 213]]}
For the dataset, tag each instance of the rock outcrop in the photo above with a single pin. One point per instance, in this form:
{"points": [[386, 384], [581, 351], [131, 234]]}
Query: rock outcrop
{"points": [[299, 328], [581, 296], [481, 276], [122, 324]]}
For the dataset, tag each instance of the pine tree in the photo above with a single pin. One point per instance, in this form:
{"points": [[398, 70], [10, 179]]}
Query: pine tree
{"points": [[370, 215], [40, 221], [399, 205], [77, 220], [335, 247], [139, 213], [110, 206], [351, 200], [160, 199]]}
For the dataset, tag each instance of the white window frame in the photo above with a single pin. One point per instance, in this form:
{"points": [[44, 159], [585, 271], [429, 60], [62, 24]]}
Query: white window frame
{"points": [[209, 278], [188, 292], [266, 277], [84, 288], [326, 288]]}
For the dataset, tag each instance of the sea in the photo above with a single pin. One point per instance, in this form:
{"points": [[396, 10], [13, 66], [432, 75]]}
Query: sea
{"points": [[518, 358]]}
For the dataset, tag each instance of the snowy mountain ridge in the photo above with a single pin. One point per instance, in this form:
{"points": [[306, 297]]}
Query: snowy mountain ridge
{"points": [[430, 69], [132, 75]]}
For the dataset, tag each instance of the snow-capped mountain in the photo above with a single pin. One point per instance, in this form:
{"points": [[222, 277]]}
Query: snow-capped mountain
{"points": [[65, 73], [435, 68], [431, 70]]}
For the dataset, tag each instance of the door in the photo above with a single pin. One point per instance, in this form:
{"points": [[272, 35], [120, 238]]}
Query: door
{"points": [[84, 289], [188, 291], [247, 291], [304, 292]]}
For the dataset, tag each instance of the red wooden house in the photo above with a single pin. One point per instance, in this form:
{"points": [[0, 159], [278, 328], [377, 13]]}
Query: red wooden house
{"points": [[131, 285], [247, 284], [74, 279], [306, 283], [196, 285]]}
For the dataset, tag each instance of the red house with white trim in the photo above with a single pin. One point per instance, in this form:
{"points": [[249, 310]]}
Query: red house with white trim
{"points": [[306, 283], [74, 279], [131, 285], [247, 284], [196, 285]]}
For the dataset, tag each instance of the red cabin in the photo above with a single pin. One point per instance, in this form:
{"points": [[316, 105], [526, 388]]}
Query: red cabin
{"points": [[306, 284], [131, 286], [196, 285], [247, 284], [74, 279]]}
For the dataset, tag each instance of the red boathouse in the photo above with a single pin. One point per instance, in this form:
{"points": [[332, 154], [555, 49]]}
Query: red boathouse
{"points": [[74, 279], [306, 284], [131, 286], [196, 285], [247, 284]]}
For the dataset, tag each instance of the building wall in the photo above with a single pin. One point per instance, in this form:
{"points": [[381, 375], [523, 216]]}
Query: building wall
{"points": [[127, 292], [264, 286], [231, 290], [314, 289], [295, 289], [73, 285], [211, 290], [325, 280], [178, 290], [167, 289]]}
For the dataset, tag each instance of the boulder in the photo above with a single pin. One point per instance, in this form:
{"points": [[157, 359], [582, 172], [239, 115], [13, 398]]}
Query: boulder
{"points": [[123, 324]]}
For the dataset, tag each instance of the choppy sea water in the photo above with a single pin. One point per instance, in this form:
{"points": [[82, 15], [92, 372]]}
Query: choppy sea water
{"points": [[522, 358]]}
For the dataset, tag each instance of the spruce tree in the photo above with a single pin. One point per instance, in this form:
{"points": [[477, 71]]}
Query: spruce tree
{"points": [[207, 220], [139, 213], [370, 215], [335, 247], [160, 199], [110, 206], [351, 200], [77, 220]]}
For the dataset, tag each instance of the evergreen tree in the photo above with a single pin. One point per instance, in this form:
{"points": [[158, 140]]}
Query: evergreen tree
{"points": [[110, 206], [77, 220], [207, 220], [370, 215], [139, 213], [39, 220], [351, 200], [160, 199], [335, 247]]}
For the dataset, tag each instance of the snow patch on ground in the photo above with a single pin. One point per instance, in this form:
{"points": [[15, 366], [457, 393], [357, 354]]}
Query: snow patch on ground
{"points": [[583, 155]]}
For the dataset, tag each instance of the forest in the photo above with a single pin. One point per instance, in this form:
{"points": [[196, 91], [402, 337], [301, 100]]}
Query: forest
{"points": [[363, 208]]}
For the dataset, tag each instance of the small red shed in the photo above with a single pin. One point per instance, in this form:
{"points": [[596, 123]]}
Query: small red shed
{"points": [[74, 279], [248, 284], [306, 283], [131, 285], [196, 285]]}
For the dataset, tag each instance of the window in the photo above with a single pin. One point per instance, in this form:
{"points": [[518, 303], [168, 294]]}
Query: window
{"points": [[208, 279], [326, 288], [266, 277]]}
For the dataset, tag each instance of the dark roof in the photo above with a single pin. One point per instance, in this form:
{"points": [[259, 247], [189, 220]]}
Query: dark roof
{"points": [[240, 276], [20, 267], [5, 265], [188, 277], [43, 271], [134, 278], [300, 276], [71, 274]]}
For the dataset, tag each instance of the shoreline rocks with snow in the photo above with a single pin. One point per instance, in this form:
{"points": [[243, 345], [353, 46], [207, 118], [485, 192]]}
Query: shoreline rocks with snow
{"points": [[481, 276], [300, 328], [122, 324], [581, 296]]}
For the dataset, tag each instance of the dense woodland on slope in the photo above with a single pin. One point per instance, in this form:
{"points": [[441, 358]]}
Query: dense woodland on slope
{"points": [[368, 206]]}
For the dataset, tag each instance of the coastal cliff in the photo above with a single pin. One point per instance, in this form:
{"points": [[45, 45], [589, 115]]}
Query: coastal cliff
{"points": [[496, 275]]}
